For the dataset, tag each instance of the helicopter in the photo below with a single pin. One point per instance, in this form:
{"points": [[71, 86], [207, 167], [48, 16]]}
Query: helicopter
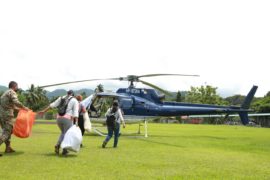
{"points": [[144, 103]]}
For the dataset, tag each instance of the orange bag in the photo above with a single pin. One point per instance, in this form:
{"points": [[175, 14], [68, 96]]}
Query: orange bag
{"points": [[24, 122]]}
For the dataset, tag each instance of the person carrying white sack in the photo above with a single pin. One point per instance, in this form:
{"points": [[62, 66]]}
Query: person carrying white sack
{"points": [[65, 121]]}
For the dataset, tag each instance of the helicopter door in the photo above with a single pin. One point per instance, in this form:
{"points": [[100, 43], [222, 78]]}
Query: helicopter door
{"points": [[126, 103], [146, 106]]}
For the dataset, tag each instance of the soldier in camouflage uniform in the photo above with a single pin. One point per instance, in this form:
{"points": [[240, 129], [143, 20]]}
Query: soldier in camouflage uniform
{"points": [[8, 102]]}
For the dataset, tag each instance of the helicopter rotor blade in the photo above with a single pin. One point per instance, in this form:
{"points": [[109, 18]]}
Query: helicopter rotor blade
{"points": [[71, 82], [152, 75], [156, 87], [132, 78]]}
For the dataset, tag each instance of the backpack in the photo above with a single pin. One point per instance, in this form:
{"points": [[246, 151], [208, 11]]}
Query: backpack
{"points": [[111, 120], [63, 105]]}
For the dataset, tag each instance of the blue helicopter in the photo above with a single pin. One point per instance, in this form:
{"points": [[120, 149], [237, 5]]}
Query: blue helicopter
{"points": [[141, 102]]}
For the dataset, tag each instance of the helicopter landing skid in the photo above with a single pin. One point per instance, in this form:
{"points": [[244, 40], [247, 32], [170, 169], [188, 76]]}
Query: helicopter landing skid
{"points": [[99, 132]]}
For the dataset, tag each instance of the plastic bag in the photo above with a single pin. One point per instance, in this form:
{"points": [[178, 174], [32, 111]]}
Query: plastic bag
{"points": [[87, 122], [24, 122], [73, 139]]}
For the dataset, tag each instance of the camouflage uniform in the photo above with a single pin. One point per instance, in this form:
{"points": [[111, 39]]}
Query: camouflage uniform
{"points": [[8, 102]]}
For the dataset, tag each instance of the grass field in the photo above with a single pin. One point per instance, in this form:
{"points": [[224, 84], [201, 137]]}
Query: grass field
{"points": [[172, 151]]}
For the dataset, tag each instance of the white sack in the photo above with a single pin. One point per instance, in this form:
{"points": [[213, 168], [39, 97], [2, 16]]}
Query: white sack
{"points": [[87, 122], [73, 139]]}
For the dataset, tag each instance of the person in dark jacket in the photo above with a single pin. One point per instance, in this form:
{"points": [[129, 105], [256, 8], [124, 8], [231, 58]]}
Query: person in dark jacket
{"points": [[113, 126]]}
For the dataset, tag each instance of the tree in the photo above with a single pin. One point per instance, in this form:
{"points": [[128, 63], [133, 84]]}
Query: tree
{"points": [[35, 98], [178, 97], [204, 94], [268, 94], [21, 97], [235, 100], [99, 88], [83, 94], [262, 105]]}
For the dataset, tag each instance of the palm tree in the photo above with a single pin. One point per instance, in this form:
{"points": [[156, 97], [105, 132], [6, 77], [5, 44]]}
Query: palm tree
{"points": [[36, 97], [31, 96], [99, 88]]}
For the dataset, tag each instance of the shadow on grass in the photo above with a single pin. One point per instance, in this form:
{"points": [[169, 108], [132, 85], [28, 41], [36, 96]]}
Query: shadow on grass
{"points": [[107, 147], [93, 134], [70, 155], [205, 137], [44, 132], [142, 136], [188, 137], [161, 143], [17, 153]]}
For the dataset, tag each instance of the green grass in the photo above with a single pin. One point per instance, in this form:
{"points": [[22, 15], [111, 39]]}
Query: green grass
{"points": [[172, 151]]}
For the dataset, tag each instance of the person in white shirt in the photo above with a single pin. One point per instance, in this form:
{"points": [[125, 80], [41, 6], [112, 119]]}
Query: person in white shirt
{"points": [[113, 125], [65, 121]]}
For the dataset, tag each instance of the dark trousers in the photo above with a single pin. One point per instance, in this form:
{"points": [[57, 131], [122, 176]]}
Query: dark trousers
{"points": [[81, 123], [113, 130]]}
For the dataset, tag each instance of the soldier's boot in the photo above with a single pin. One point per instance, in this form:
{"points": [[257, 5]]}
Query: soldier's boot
{"points": [[8, 148], [1, 142]]}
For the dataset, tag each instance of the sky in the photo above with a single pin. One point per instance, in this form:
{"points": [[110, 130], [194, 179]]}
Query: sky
{"points": [[227, 43]]}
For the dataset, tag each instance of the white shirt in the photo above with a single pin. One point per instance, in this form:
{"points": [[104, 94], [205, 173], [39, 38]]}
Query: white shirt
{"points": [[118, 115], [72, 108]]}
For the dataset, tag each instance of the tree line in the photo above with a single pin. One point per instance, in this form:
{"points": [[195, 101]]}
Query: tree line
{"points": [[208, 95]]}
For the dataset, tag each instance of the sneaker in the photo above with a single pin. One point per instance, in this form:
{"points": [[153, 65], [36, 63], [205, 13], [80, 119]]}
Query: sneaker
{"points": [[56, 149], [104, 144], [65, 152]]}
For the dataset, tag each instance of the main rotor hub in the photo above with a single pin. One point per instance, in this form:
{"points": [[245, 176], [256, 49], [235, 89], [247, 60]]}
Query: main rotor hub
{"points": [[132, 78]]}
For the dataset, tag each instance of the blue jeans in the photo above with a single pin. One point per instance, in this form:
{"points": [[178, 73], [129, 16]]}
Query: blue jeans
{"points": [[114, 131]]}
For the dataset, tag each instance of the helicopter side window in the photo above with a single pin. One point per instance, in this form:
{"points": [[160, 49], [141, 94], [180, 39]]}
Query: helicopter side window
{"points": [[160, 96], [126, 103], [100, 104]]}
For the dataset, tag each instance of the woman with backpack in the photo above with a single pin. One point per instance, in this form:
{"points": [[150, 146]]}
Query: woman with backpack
{"points": [[114, 118], [68, 111]]}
